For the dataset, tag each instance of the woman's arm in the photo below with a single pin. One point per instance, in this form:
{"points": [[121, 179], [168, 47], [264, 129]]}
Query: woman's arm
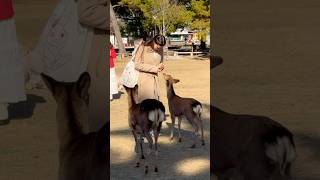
{"points": [[93, 13], [140, 66]]}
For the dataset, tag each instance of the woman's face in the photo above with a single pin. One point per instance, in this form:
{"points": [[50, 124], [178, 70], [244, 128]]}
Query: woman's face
{"points": [[156, 47]]}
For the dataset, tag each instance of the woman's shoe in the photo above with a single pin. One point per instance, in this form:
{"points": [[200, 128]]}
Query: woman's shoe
{"points": [[4, 115]]}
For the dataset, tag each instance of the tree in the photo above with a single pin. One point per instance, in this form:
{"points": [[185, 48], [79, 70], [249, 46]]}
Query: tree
{"points": [[116, 29], [165, 15], [201, 20]]}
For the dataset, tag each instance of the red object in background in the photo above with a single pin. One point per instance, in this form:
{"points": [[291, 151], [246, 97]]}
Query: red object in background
{"points": [[6, 9], [113, 56]]}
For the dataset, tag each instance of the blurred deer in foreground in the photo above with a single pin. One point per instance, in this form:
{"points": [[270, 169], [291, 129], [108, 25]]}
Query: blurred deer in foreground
{"points": [[82, 155], [248, 147]]}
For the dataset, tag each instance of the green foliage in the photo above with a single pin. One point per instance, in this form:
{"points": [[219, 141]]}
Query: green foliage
{"points": [[172, 14], [201, 20], [161, 12]]}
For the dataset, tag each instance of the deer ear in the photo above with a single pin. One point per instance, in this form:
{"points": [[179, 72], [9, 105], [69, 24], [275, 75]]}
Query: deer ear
{"points": [[135, 87], [215, 61], [50, 82], [165, 76], [125, 87], [83, 85], [176, 81]]}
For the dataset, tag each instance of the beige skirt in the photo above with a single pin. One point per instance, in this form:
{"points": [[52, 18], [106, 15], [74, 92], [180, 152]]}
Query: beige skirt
{"points": [[148, 87]]}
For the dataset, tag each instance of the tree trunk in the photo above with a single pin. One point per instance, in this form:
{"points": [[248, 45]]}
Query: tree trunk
{"points": [[117, 33]]}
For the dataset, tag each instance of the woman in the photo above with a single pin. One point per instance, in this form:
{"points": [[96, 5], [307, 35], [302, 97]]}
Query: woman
{"points": [[79, 31], [113, 76], [11, 67], [148, 62]]}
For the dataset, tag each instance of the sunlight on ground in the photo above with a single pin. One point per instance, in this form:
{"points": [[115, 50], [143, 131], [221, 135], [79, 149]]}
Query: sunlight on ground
{"points": [[191, 167], [122, 149]]}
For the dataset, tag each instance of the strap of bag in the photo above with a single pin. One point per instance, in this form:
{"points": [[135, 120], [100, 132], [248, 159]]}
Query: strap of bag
{"points": [[141, 55]]}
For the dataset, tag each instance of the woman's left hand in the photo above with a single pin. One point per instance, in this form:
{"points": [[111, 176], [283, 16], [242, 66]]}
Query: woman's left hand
{"points": [[161, 67]]}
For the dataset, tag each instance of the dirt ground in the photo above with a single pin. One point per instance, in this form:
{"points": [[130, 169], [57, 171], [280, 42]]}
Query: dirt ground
{"points": [[271, 67], [176, 160], [28, 145]]}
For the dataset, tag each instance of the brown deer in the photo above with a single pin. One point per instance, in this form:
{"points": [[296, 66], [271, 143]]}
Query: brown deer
{"points": [[82, 155], [249, 147], [143, 118], [183, 107]]}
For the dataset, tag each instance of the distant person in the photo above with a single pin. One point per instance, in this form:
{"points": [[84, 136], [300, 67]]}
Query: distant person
{"points": [[113, 75], [11, 65]]}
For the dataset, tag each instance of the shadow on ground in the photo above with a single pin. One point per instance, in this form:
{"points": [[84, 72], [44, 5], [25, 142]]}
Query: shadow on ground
{"points": [[118, 96], [312, 143], [25, 109], [170, 166], [176, 160]]}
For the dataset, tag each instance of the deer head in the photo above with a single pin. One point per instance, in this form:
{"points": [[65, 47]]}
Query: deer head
{"points": [[72, 100], [170, 79]]}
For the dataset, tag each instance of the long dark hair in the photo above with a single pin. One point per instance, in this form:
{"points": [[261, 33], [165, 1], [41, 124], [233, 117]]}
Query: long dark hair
{"points": [[158, 39]]}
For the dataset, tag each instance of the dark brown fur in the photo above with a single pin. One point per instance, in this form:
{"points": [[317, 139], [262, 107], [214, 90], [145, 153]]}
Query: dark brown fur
{"points": [[141, 126], [239, 142], [82, 155]]}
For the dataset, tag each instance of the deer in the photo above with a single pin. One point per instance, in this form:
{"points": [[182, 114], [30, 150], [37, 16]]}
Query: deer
{"points": [[180, 107], [83, 155], [249, 147], [143, 118]]}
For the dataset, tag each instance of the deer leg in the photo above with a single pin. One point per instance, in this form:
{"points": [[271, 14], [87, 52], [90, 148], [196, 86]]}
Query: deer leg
{"points": [[192, 121], [201, 126], [202, 137], [149, 151], [199, 123], [140, 142], [179, 127], [195, 136], [173, 119], [196, 131], [137, 141], [156, 150]]}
